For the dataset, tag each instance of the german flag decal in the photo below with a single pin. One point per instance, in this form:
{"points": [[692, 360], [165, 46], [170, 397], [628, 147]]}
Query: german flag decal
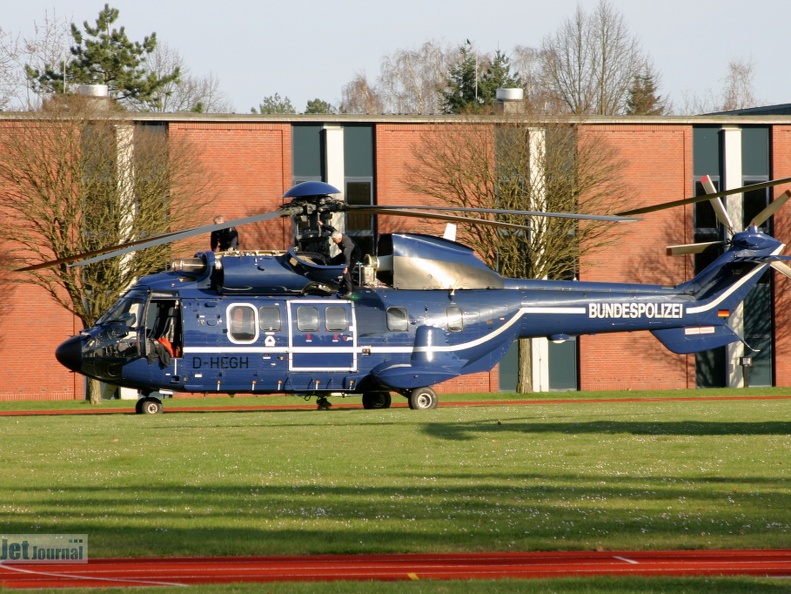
{"points": [[724, 313]]}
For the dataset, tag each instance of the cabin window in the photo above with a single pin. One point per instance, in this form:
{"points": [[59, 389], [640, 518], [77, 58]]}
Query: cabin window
{"points": [[307, 319], [336, 319], [454, 319], [241, 323], [269, 319], [397, 319]]}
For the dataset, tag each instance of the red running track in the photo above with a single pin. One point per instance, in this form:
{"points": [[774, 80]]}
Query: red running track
{"points": [[485, 566]]}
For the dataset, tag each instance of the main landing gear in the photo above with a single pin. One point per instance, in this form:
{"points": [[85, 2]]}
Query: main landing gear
{"points": [[148, 405], [422, 399], [419, 399], [372, 400]]}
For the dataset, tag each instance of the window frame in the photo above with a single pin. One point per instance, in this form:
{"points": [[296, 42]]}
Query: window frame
{"points": [[237, 335]]}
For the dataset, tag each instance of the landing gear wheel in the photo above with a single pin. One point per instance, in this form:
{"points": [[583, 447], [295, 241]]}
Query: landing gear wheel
{"points": [[422, 399], [323, 403], [373, 400], [148, 406]]}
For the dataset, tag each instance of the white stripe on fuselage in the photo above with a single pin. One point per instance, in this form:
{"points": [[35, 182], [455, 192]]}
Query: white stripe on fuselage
{"points": [[464, 345], [727, 293], [484, 339], [392, 349]]}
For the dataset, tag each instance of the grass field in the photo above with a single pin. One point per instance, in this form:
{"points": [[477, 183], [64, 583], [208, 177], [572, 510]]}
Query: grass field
{"points": [[600, 474]]}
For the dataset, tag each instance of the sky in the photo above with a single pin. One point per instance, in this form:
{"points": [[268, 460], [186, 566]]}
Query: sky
{"points": [[312, 48]]}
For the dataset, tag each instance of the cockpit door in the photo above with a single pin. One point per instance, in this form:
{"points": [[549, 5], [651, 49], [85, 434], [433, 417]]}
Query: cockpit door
{"points": [[163, 325], [322, 335]]}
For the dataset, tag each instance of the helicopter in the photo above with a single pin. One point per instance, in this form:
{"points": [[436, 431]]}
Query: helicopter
{"points": [[425, 309]]}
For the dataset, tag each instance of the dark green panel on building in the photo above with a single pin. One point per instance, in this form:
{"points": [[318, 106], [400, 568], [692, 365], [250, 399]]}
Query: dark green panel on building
{"points": [[358, 151], [307, 152], [706, 151], [755, 151], [563, 365]]}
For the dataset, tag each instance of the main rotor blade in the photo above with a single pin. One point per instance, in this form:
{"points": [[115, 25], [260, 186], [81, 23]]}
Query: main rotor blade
{"points": [[771, 209], [394, 210], [443, 217], [141, 244], [702, 197]]}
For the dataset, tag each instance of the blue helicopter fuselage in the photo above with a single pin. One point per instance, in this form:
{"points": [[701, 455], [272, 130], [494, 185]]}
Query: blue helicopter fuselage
{"points": [[428, 312]]}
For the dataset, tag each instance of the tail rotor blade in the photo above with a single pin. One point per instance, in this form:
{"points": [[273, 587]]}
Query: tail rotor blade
{"points": [[716, 203], [691, 248], [771, 209], [782, 268]]}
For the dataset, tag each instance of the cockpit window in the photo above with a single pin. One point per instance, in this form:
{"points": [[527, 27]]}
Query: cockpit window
{"points": [[116, 334], [126, 311]]}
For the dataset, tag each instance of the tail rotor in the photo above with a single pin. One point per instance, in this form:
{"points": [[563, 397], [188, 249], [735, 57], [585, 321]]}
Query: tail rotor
{"points": [[777, 262]]}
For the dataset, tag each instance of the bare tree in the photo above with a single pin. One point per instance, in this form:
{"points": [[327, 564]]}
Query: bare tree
{"points": [[9, 57], [359, 97], [521, 165], [527, 63], [738, 90], [410, 80], [49, 44], [591, 61], [188, 93], [79, 179]]}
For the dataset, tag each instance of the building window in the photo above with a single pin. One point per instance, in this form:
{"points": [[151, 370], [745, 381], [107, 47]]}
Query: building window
{"points": [[754, 202]]}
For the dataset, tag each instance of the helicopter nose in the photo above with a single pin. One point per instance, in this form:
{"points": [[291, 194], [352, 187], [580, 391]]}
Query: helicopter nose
{"points": [[69, 353]]}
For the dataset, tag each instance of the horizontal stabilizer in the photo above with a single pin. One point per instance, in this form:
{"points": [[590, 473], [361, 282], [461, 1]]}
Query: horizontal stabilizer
{"points": [[683, 341]]}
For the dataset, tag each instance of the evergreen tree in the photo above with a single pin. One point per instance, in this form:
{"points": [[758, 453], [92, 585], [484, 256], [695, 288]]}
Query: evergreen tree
{"points": [[642, 98], [319, 106], [472, 84], [461, 93], [102, 55], [275, 104], [497, 76]]}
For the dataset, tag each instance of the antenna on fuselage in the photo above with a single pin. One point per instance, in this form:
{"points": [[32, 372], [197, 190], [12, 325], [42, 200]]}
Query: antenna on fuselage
{"points": [[450, 232]]}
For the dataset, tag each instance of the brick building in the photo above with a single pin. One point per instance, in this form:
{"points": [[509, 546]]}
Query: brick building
{"points": [[255, 159]]}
